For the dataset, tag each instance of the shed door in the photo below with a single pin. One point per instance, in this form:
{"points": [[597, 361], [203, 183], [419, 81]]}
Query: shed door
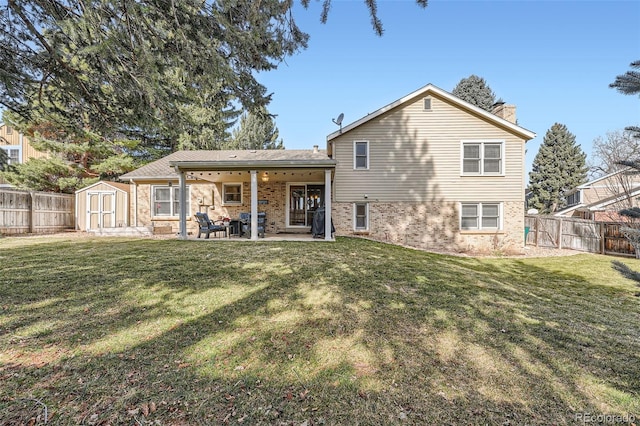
{"points": [[101, 210]]}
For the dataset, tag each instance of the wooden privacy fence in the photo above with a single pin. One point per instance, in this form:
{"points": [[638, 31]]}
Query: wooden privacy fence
{"points": [[577, 234], [23, 212]]}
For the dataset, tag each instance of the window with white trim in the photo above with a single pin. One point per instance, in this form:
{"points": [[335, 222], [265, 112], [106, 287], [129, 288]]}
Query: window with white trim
{"points": [[427, 104], [482, 158], [231, 193], [13, 153], [574, 198], [361, 155], [166, 201], [361, 216], [480, 216]]}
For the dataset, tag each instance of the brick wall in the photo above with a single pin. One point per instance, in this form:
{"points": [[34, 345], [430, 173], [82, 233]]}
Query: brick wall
{"points": [[433, 226]]}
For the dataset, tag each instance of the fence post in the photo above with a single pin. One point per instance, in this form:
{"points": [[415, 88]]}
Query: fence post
{"points": [[32, 212], [560, 234], [537, 229], [602, 238]]}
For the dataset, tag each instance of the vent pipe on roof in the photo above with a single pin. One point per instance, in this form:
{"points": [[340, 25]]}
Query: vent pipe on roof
{"points": [[315, 149]]}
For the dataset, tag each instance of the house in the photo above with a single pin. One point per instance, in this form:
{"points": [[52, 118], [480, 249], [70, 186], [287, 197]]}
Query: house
{"points": [[428, 170], [600, 199], [17, 146]]}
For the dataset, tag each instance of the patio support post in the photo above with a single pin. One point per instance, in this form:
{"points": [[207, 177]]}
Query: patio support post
{"points": [[327, 205], [254, 204], [183, 204]]}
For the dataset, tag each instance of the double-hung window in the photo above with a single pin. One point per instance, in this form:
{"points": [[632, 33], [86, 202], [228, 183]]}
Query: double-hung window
{"points": [[231, 193], [13, 153], [574, 198], [481, 216], [166, 200], [482, 158], [361, 155], [361, 216]]}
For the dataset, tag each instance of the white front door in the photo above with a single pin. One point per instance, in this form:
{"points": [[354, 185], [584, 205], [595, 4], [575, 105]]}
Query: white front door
{"points": [[101, 210]]}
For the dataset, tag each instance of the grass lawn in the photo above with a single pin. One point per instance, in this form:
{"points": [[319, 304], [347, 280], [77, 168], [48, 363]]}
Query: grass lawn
{"points": [[125, 331]]}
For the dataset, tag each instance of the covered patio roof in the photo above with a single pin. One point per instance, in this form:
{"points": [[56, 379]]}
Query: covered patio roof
{"points": [[223, 160], [182, 164]]}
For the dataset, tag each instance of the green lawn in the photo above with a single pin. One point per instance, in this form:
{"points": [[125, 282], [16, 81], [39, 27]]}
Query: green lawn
{"points": [[125, 331]]}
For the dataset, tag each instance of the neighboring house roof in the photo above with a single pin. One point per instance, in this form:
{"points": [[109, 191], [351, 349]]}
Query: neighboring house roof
{"points": [[602, 203], [116, 185], [589, 184], [431, 89], [564, 211], [231, 160], [612, 200]]}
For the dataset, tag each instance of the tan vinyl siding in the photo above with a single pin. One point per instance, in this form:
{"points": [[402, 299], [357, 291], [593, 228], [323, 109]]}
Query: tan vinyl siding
{"points": [[415, 157], [14, 139]]}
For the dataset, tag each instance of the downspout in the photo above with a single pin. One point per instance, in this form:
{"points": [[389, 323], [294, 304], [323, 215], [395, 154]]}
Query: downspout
{"points": [[22, 150]]}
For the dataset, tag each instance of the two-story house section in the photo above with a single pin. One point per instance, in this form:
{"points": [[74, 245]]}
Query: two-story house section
{"points": [[432, 171], [17, 146]]}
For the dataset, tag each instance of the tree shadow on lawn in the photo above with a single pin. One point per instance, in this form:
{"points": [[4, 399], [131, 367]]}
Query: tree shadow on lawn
{"points": [[350, 332]]}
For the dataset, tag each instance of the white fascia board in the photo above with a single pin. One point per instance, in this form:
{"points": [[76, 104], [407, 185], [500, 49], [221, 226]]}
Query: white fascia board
{"points": [[430, 88], [614, 200], [568, 210]]}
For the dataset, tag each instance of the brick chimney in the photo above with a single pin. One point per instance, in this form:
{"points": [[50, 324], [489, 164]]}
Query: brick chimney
{"points": [[502, 110]]}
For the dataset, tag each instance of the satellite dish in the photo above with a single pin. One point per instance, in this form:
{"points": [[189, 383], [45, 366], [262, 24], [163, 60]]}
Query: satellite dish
{"points": [[338, 120]]}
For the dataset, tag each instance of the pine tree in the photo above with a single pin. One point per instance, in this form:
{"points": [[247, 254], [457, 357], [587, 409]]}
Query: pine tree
{"points": [[559, 166], [475, 90], [629, 84], [256, 131], [4, 160], [75, 159]]}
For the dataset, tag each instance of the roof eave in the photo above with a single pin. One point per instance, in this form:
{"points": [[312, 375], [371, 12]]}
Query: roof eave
{"points": [[430, 88], [251, 164]]}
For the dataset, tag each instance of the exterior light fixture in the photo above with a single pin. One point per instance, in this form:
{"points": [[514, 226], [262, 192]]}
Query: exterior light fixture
{"points": [[265, 177]]}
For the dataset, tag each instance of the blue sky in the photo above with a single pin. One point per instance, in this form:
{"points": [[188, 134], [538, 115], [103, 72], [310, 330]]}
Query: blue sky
{"points": [[553, 59]]}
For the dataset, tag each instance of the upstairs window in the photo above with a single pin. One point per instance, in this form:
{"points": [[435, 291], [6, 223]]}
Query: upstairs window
{"points": [[482, 158], [13, 153], [361, 155], [574, 198]]}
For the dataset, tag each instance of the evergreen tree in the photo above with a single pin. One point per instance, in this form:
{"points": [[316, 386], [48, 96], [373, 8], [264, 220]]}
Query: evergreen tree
{"points": [[475, 90], [4, 160], [629, 84], [256, 131], [559, 166], [75, 160]]}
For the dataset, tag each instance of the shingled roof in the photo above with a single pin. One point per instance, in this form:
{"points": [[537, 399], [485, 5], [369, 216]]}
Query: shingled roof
{"points": [[164, 168]]}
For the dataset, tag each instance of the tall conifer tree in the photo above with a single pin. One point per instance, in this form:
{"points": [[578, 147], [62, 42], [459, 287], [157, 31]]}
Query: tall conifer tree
{"points": [[476, 91], [256, 131], [559, 166]]}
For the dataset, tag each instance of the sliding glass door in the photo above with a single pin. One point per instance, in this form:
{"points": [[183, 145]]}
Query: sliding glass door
{"points": [[304, 200]]}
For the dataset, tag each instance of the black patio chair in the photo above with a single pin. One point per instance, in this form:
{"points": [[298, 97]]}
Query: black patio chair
{"points": [[245, 224], [206, 226]]}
